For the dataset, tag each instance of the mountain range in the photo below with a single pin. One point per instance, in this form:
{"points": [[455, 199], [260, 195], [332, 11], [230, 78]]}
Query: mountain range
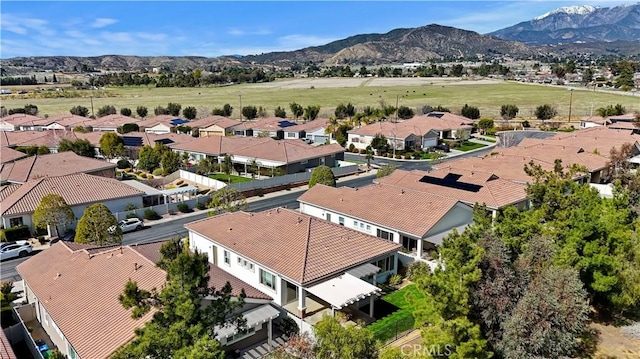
{"points": [[574, 29]]}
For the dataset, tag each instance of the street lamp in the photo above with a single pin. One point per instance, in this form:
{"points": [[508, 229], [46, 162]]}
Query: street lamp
{"points": [[394, 144]]}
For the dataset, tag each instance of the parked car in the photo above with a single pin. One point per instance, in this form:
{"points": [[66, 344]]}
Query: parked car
{"points": [[443, 147], [13, 242], [128, 225], [15, 250]]}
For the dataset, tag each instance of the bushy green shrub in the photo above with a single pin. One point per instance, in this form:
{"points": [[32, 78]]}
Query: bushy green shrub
{"points": [[122, 164], [131, 215], [184, 208], [352, 147], [201, 205], [407, 156], [130, 207], [363, 151], [15, 233], [151, 215], [158, 172], [416, 270], [398, 156], [394, 279]]}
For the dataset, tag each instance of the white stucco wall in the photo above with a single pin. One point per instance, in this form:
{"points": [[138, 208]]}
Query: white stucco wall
{"points": [[362, 141], [158, 129], [459, 215]]}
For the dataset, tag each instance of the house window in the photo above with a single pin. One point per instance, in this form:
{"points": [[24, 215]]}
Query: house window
{"points": [[14, 222], [291, 134], [384, 235], [361, 225], [410, 244], [386, 264], [267, 279], [355, 224], [227, 258], [368, 228], [329, 217], [341, 221], [245, 264], [355, 140]]}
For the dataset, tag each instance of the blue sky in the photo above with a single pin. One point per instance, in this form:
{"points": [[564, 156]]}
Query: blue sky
{"points": [[214, 28]]}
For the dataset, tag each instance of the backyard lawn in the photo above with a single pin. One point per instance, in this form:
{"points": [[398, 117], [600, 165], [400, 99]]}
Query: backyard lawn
{"points": [[234, 179], [468, 146], [395, 311]]}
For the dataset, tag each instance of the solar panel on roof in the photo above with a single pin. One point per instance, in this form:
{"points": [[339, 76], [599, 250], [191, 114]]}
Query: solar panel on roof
{"points": [[164, 141], [178, 121], [132, 141], [451, 180], [283, 124]]}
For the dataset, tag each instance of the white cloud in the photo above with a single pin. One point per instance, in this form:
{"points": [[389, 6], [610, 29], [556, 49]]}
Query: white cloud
{"points": [[116, 36], [102, 22], [22, 24], [151, 36]]}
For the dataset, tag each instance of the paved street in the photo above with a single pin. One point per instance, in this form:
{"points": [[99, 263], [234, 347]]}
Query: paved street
{"points": [[174, 228]]}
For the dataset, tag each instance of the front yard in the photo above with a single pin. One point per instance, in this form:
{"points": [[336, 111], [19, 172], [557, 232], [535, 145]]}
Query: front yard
{"points": [[395, 311], [468, 146]]}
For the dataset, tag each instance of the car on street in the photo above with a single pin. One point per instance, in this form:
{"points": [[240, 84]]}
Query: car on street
{"points": [[15, 250], [128, 225], [443, 147]]}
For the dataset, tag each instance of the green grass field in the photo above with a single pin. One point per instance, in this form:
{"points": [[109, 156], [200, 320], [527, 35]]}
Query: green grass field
{"points": [[486, 95], [399, 321], [234, 179], [468, 146]]}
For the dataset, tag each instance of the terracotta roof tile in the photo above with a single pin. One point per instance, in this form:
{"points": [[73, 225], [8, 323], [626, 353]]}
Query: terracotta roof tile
{"points": [[209, 121], [485, 187], [18, 119], [409, 211], [76, 189], [6, 351], [65, 283], [9, 155], [263, 124], [300, 247], [5, 191], [419, 125], [112, 121], [54, 164]]}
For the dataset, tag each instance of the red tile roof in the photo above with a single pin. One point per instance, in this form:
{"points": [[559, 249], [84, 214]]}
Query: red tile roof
{"points": [[6, 351], [220, 121], [54, 164], [80, 293], [113, 121], [299, 247], [285, 151], [487, 187], [18, 119], [409, 211], [76, 189], [419, 125], [9, 155]]}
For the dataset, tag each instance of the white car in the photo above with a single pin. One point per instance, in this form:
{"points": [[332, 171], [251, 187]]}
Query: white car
{"points": [[14, 250], [128, 225]]}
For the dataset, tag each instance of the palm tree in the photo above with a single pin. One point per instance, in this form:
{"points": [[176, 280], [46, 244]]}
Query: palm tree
{"points": [[332, 126], [369, 157]]}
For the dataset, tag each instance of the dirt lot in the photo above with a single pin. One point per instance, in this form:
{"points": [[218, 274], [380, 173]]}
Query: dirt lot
{"points": [[613, 343], [318, 83]]}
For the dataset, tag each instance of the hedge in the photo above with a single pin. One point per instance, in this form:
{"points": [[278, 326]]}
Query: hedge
{"points": [[15, 233]]}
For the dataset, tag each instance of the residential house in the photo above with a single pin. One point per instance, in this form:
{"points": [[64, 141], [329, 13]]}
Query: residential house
{"points": [[61, 122], [79, 190], [161, 124], [468, 186], [54, 164], [311, 131], [67, 273], [417, 220], [289, 156], [418, 132], [133, 141], [264, 127], [593, 121], [18, 122], [50, 139], [110, 123], [310, 267], [623, 122], [213, 126], [596, 140]]}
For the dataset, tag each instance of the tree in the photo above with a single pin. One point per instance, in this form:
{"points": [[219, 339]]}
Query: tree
{"points": [[189, 112], [187, 310], [456, 70], [79, 111], [296, 110], [471, 112], [509, 111], [129, 127], [405, 112], [227, 110], [159, 110], [173, 108], [111, 145], [545, 112], [170, 161], [611, 110], [125, 111], [379, 143], [7, 295], [385, 170], [549, 319], [249, 112], [31, 109], [80, 147], [322, 175], [280, 112], [485, 124], [53, 211], [94, 226], [106, 110], [55, 79], [142, 111], [343, 110], [227, 199], [369, 156], [148, 158], [311, 112], [587, 76], [350, 342], [227, 167]]}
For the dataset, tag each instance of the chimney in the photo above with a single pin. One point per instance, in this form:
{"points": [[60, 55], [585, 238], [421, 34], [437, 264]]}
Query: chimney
{"points": [[135, 266]]}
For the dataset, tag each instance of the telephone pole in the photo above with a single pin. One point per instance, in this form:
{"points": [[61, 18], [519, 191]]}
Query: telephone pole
{"points": [[240, 106]]}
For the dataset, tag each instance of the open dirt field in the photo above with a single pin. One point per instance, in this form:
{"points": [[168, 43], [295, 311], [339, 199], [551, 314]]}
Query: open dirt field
{"points": [[488, 95]]}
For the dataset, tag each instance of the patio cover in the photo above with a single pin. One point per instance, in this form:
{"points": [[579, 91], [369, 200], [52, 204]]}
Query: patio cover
{"points": [[343, 290], [179, 190], [255, 316], [437, 238], [148, 190], [634, 159], [364, 270]]}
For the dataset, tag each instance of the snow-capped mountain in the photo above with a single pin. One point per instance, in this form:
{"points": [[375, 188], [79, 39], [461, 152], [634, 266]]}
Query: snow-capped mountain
{"points": [[571, 10], [583, 23]]}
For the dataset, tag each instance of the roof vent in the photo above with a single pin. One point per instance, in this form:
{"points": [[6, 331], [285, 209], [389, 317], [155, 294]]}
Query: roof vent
{"points": [[402, 191], [58, 275], [135, 266], [341, 199], [278, 210], [230, 229]]}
